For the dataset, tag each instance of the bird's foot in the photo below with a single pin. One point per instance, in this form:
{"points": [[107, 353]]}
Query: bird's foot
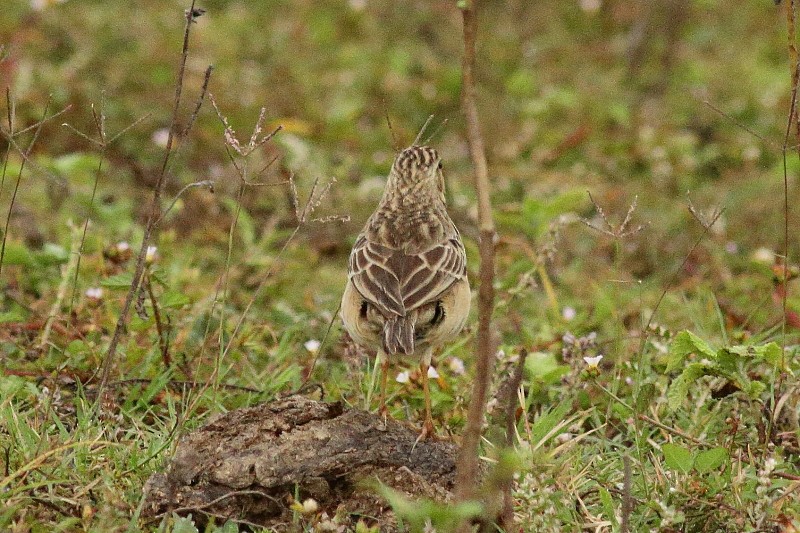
{"points": [[428, 432], [383, 412]]}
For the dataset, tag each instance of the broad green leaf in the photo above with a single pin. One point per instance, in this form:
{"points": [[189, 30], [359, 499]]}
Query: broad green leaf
{"points": [[677, 457], [679, 388], [174, 299], [79, 166], [118, 281], [685, 343], [712, 459]]}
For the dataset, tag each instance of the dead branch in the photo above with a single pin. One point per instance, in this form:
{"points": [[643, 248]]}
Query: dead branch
{"points": [[467, 466]]}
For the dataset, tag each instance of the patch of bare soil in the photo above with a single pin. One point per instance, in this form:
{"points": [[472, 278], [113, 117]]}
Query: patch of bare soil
{"points": [[248, 464]]}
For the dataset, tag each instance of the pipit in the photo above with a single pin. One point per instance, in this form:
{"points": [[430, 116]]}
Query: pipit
{"points": [[407, 291]]}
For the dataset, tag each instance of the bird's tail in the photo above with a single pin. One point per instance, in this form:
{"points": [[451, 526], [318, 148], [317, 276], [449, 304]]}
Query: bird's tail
{"points": [[398, 335]]}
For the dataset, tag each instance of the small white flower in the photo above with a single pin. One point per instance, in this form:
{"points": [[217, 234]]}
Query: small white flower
{"points": [[160, 137], [312, 345], [123, 246], [432, 373], [457, 366], [569, 313], [593, 362], [310, 506], [94, 293], [591, 6], [403, 377], [764, 255], [731, 247], [152, 253]]}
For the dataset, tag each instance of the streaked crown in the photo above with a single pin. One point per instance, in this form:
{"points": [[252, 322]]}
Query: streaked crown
{"points": [[415, 158]]}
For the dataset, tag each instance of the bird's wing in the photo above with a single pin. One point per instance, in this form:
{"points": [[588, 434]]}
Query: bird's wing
{"points": [[396, 282], [374, 280]]}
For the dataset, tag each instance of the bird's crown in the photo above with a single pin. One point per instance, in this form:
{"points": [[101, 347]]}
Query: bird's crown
{"points": [[416, 158]]}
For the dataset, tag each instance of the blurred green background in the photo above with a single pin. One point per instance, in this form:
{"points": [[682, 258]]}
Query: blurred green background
{"points": [[599, 96], [664, 104]]}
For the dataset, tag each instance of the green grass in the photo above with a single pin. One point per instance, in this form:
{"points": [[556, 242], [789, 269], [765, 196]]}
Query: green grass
{"points": [[563, 112]]}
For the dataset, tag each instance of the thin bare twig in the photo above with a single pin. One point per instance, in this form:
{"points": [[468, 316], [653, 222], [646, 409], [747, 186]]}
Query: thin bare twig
{"points": [[103, 143], [794, 117], [467, 463], [439, 128], [395, 143], [154, 208], [621, 231], [422, 130], [204, 183], [163, 335], [199, 103], [27, 153], [627, 495]]}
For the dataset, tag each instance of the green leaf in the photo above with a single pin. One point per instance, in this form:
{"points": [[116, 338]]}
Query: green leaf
{"points": [[443, 516], [118, 281], [17, 254], [183, 524], [52, 254], [543, 367], [608, 506], [14, 315], [679, 388], [539, 213], [174, 299], [647, 394], [754, 389], [677, 457], [228, 527], [685, 343], [771, 352], [545, 424], [244, 223], [709, 460]]}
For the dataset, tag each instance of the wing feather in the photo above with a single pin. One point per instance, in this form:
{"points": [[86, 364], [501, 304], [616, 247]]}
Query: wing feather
{"points": [[397, 283]]}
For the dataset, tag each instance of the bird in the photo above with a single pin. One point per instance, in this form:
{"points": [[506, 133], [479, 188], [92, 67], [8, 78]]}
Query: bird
{"points": [[407, 291]]}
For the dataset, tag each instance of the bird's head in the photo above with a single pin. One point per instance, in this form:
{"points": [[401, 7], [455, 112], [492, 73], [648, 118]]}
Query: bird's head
{"points": [[418, 168]]}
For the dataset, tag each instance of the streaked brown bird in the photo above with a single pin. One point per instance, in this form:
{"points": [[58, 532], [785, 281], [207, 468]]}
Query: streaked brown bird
{"points": [[407, 291]]}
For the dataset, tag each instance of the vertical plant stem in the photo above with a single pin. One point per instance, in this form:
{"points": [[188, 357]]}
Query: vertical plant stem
{"points": [[154, 214], [163, 334], [25, 156], [467, 465], [68, 273]]}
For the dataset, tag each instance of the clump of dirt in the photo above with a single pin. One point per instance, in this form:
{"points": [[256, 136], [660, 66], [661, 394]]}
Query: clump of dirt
{"points": [[248, 464]]}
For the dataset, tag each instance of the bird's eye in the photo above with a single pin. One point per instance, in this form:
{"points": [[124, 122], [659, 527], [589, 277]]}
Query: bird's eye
{"points": [[440, 165]]}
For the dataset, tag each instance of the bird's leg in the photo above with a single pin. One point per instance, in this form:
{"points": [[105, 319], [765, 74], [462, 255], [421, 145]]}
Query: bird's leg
{"points": [[428, 431], [382, 410]]}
